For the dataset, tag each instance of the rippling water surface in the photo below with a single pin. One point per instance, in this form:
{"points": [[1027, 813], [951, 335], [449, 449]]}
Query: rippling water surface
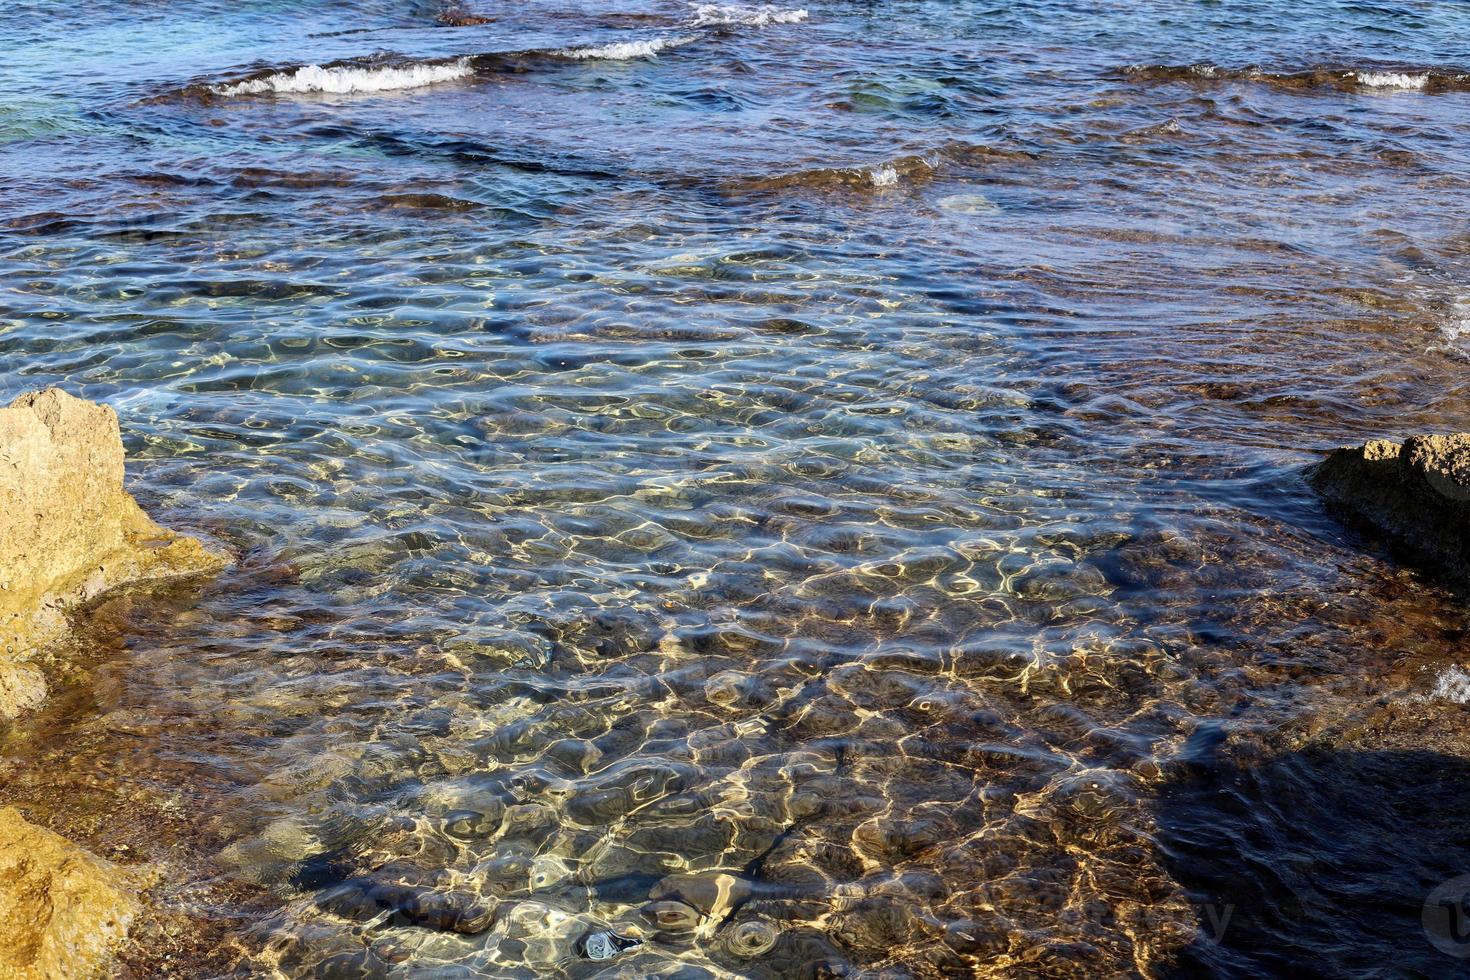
{"points": [[811, 492]]}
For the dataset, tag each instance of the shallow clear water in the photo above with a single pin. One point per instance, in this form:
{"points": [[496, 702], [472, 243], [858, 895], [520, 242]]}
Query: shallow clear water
{"points": [[807, 499]]}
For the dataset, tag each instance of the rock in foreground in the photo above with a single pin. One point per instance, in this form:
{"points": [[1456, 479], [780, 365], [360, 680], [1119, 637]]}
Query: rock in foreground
{"points": [[1418, 494], [63, 908], [68, 529]]}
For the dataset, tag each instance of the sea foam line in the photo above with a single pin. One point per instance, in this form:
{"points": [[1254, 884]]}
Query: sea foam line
{"points": [[1454, 329], [1453, 684], [626, 50], [1390, 79], [884, 176], [718, 15], [347, 79]]}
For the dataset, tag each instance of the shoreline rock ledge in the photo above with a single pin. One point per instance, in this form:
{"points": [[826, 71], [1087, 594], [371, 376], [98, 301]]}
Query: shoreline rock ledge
{"points": [[68, 530], [1416, 494], [68, 533]]}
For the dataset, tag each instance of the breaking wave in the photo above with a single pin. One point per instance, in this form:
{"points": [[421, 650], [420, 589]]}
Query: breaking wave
{"points": [[388, 73], [1453, 684], [347, 79], [625, 50], [884, 176], [1391, 79], [1454, 330], [718, 15], [1343, 79]]}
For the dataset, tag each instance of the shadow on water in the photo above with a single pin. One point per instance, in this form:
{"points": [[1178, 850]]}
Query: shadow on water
{"points": [[1320, 863]]}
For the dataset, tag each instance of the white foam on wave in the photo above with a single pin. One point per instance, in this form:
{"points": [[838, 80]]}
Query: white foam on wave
{"points": [[884, 176], [1454, 329], [345, 80], [626, 50], [1390, 80], [760, 15], [1453, 684]]}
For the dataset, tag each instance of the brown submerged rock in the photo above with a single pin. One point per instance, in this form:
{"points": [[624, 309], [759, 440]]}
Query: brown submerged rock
{"points": [[459, 17], [63, 908], [68, 530], [1417, 494]]}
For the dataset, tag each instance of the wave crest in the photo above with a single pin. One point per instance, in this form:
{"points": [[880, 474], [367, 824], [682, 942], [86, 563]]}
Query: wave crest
{"points": [[1342, 79], [387, 73], [1454, 330], [762, 15], [1391, 79], [346, 79], [625, 50], [1453, 684]]}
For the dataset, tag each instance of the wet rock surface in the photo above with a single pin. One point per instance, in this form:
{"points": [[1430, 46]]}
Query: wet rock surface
{"points": [[1417, 494], [68, 533], [68, 530], [63, 908]]}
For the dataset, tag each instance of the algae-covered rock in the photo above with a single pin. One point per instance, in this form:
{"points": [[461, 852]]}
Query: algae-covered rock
{"points": [[459, 17], [1417, 494], [68, 529], [62, 907]]}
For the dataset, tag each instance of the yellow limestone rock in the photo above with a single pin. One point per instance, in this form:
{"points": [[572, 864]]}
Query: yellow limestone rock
{"points": [[68, 532], [68, 529], [63, 908]]}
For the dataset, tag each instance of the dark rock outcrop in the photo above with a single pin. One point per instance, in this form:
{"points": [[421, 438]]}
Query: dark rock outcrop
{"points": [[460, 17], [1416, 494]]}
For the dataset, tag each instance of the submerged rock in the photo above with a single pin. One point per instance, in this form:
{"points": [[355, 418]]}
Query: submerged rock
{"points": [[62, 907], [455, 15], [405, 903], [1418, 494], [712, 894], [68, 529]]}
